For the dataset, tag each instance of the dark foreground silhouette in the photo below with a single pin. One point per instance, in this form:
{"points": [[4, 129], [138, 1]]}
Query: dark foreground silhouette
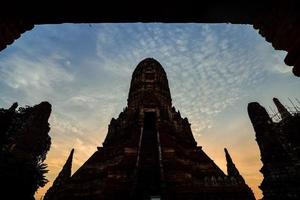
{"points": [[149, 152], [278, 138], [24, 142]]}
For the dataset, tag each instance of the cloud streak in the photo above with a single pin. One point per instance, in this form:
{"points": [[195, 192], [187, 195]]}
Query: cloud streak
{"points": [[85, 72], [208, 69]]}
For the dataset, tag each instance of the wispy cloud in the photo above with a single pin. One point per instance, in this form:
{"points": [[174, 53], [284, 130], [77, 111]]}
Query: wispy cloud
{"points": [[210, 67], [84, 72], [34, 77]]}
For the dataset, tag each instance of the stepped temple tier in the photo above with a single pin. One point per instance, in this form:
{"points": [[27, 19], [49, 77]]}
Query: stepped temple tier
{"points": [[149, 153]]}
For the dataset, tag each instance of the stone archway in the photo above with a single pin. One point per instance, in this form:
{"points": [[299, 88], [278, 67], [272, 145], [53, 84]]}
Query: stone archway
{"points": [[278, 21]]}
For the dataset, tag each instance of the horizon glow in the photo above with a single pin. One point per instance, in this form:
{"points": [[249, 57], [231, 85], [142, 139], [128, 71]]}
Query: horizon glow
{"points": [[84, 71]]}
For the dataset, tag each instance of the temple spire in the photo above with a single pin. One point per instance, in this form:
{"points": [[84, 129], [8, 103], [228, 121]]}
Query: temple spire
{"points": [[62, 177], [67, 168], [149, 85], [232, 171], [258, 114], [281, 109]]}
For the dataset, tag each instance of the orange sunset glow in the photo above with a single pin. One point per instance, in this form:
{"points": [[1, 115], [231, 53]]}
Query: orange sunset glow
{"points": [[214, 71]]}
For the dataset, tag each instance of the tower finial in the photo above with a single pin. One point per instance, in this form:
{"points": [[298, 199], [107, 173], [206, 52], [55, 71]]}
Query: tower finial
{"points": [[231, 168], [68, 165], [149, 85], [65, 173], [259, 116], [281, 109], [62, 177]]}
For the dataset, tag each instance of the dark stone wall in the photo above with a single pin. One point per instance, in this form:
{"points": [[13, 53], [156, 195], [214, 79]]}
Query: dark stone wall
{"points": [[279, 144]]}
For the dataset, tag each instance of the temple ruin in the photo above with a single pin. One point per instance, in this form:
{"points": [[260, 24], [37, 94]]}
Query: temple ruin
{"points": [[279, 143], [149, 153]]}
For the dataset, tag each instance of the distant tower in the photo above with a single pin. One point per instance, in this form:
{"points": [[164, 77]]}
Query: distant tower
{"points": [[150, 153], [232, 171], [63, 176], [279, 144]]}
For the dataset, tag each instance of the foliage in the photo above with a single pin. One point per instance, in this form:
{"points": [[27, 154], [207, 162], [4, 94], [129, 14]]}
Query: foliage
{"points": [[24, 143]]}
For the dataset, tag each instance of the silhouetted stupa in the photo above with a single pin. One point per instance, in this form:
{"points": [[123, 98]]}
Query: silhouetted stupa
{"points": [[149, 153]]}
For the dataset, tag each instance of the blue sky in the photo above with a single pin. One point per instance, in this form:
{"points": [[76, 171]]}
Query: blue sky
{"points": [[84, 71]]}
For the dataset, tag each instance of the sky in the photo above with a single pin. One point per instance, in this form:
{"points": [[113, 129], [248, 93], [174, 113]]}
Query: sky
{"points": [[84, 71]]}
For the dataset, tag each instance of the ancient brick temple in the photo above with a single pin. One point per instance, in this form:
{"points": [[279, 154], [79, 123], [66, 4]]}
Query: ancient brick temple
{"points": [[149, 153], [279, 143]]}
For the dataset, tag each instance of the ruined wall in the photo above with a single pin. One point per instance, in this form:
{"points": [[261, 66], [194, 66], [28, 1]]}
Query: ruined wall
{"points": [[279, 144]]}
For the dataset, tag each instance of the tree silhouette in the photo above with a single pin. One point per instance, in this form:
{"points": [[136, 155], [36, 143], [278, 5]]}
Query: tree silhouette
{"points": [[24, 143]]}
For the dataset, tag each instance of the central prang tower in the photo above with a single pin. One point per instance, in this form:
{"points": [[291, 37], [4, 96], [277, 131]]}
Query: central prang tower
{"points": [[149, 79], [150, 153]]}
